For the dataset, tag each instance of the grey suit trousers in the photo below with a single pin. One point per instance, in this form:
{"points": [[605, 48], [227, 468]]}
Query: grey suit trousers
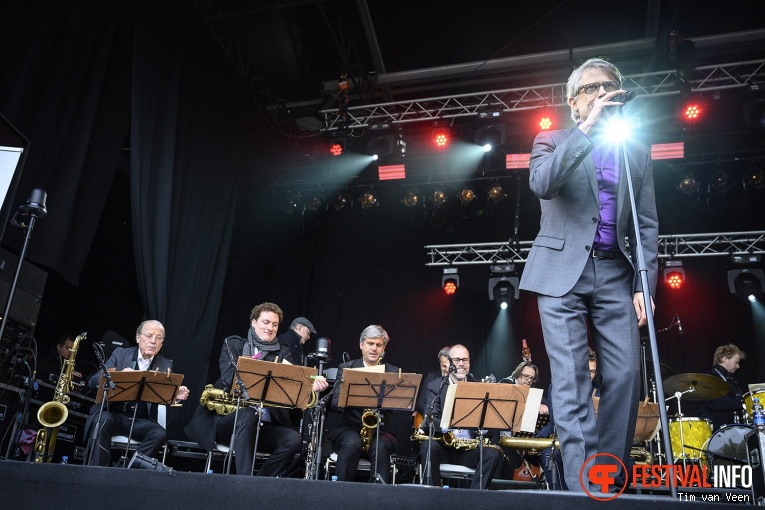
{"points": [[601, 300]]}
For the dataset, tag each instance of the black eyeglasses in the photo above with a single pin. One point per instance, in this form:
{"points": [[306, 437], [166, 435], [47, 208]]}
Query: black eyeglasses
{"points": [[591, 88], [461, 360]]}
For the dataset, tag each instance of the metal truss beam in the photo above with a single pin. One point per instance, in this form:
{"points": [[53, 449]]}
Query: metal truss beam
{"points": [[654, 84], [670, 246]]}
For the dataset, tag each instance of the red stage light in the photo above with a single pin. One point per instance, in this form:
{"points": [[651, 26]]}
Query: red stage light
{"points": [[693, 111], [336, 149], [675, 280], [450, 287], [441, 137], [545, 123]]}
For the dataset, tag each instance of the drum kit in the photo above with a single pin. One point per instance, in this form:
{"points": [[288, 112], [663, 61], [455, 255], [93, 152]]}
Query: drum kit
{"points": [[692, 439]]}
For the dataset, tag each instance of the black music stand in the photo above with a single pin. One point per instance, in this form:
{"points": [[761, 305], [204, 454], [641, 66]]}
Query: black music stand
{"points": [[473, 405], [149, 386], [274, 385], [389, 391]]}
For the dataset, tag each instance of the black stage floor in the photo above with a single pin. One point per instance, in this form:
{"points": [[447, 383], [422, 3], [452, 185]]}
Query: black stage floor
{"points": [[34, 486]]}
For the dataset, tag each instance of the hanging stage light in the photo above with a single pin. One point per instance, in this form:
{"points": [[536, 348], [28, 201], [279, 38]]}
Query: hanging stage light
{"points": [[490, 137], [412, 197], [450, 281], [674, 274], [755, 177], [292, 203], [369, 199], [496, 193], [688, 184], [340, 201], [504, 285], [745, 277], [441, 135], [439, 197], [467, 195], [721, 182], [314, 203], [545, 123]]}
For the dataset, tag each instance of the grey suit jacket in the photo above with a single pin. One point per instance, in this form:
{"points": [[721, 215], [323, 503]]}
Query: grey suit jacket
{"points": [[562, 174]]}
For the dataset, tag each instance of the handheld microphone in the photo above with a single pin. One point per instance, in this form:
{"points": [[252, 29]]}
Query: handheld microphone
{"points": [[679, 327], [625, 97], [452, 366]]}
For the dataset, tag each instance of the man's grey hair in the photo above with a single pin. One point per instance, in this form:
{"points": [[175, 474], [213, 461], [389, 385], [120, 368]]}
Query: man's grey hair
{"points": [[443, 353], [572, 86], [374, 331], [139, 330]]}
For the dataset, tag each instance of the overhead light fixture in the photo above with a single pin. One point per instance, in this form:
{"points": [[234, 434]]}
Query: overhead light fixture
{"points": [[450, 281], [674, 274], [688, 184], [755, 177], [439, 197], [441, 135], [467, 195], [381, 146], [745, 278], [340, 201], [369, 199], [314, 202], [412, 197], [496, 193], [545, 123], [292, 203], [721, 182], [504, 285], [490, 137]]}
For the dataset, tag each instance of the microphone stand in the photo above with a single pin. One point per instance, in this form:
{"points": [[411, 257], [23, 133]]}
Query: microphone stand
{"points": [[431, 430], [93, 442], [643, 272], [241, 392]]}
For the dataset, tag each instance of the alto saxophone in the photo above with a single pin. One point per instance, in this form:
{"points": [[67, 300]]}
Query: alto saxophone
{"points": [[53, 414], [369, 421]]}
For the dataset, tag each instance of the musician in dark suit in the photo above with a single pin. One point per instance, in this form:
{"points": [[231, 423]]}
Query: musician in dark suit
{"points": [[277, 437], [583, 272], [300, 331], [443, 363], [345, 435], [118, 417], [722, 411], [492, 458]]}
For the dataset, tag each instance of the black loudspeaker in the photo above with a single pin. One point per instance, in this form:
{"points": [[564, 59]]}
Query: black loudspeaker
{"points": [[29, 289], [754, 443]]}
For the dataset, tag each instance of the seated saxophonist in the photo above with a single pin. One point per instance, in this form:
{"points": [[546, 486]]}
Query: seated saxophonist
{"points": [[277, 437], [116, 420], [354, 433], [463, 455]]}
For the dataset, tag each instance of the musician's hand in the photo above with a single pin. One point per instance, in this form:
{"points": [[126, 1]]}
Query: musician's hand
{"points": [[543, 409], [183, 393], [320, 384], [77, 374]]}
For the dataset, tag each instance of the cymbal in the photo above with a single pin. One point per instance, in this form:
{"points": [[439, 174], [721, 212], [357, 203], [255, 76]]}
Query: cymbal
{"points": [[707, 387]]}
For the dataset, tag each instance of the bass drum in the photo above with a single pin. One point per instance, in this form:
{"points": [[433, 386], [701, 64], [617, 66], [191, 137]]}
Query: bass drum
{"points": [[727, 444]]}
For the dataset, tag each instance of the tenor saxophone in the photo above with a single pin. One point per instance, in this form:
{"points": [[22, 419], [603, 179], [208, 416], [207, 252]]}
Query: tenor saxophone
{"points": [[369, 419], [53, 414]]}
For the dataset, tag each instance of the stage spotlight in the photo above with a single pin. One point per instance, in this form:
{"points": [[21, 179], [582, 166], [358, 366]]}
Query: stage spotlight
{"points": [[674, 274], [496, 193], [721, 182], [490, 137], [745, 278], [340, 201], [450, 281], [688, 184], [381, 146], [692, 111], [467, 195], [369, 199], [412, 197], [314, 202], [545, 123], [292, 202], [755, 178], [503, 285], [441, 136], [141, 461], [439, 197], [336, 148]]}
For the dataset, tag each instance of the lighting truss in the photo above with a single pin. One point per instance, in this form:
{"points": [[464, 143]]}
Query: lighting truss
{"points": [[670, 246], [654, 84]]}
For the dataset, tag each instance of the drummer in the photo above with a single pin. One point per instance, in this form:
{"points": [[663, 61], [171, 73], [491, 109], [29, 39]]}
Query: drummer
{"points": [[728, 408]]}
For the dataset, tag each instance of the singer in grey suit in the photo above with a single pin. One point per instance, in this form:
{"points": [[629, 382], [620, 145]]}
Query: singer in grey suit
{"points": [[585, 275]]}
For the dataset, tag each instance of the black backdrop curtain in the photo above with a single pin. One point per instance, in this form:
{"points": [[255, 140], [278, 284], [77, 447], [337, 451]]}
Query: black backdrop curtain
{"points": [[65, 84]]}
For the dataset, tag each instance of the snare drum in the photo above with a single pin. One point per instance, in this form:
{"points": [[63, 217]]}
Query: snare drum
{"points": [[729, 441], [696, 433], [748, 396]]}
